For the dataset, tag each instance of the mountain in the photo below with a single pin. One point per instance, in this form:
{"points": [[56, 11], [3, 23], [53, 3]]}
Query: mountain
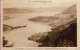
{"points": [[58, 19], [64, 31], [71, 10], [30, 10], [17, 10]]}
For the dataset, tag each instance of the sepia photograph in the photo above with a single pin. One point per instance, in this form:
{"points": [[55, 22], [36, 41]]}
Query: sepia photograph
{"points": [[39, 23]]}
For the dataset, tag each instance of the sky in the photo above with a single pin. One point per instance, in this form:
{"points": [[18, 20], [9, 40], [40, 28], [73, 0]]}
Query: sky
{"points": [[26, 3]]}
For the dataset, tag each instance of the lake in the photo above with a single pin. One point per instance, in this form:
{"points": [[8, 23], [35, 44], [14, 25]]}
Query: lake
{"points": [[19, 37]]}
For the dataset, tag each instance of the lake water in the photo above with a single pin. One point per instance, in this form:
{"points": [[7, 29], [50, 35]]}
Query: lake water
{"points": [[19, 37]]}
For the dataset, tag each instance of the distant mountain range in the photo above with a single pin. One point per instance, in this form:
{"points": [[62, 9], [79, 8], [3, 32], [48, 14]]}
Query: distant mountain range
{"points": [[66, 14], [30, 10]]}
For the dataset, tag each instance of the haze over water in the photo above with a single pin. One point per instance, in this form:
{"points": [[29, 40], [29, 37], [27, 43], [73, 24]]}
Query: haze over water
{"points": [[20, 36]]}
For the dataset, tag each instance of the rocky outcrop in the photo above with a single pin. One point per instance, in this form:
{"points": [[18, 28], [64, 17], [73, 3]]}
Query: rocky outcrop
{"points": [[65, 38], [69, 34], [7, 27], [5, 42], [39, 37]]}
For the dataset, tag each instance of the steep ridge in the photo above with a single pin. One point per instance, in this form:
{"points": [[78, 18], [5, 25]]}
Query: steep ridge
{"points": [[71, 10], [62, 36], [64, 31]]}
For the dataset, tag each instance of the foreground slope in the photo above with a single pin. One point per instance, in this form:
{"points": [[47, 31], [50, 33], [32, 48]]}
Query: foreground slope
{"points": [[64, 31]]}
